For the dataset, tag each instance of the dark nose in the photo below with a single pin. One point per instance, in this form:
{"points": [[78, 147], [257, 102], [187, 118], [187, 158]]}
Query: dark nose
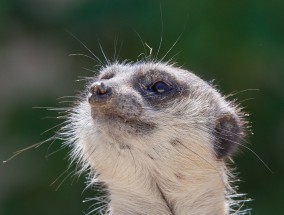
{"points": [[99, 88], [99, 92]]}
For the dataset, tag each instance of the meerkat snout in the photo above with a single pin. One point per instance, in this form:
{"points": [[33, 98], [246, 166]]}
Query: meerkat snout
{"points": [[114, 99], [99, 93], [99, 88]]}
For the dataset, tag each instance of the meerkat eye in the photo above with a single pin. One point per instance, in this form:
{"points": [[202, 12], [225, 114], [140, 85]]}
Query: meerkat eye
{"points": [[160, 87]]}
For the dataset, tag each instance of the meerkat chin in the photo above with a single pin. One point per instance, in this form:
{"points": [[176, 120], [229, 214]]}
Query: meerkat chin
{"points": [[158, 137]]}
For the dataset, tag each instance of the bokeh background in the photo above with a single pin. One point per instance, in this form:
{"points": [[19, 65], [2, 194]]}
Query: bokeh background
{"points": [[238, 43]]}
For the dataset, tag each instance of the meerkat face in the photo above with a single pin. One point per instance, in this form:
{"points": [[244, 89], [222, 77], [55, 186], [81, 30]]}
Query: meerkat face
{"points": [[128, 98], [155, 102]]}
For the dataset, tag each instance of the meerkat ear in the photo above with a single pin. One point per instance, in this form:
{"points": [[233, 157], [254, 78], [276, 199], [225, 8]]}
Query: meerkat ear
{"points": [[228, 133]]}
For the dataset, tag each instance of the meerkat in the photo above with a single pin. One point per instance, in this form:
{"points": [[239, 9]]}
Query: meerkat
{"points": [[158, 137]]}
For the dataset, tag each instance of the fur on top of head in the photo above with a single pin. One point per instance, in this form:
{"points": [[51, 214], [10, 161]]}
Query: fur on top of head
{"points": [[157, 136]]}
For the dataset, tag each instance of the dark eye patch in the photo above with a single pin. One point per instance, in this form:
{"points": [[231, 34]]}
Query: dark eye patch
{"points": [[159, 88]]}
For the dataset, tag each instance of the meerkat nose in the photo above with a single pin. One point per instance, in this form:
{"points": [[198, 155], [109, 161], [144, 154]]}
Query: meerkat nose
{"points": [[99, 92], [99, 88]]}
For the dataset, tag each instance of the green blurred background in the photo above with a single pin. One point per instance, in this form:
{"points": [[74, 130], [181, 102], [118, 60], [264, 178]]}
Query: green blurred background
{"points": [[238, 43]]}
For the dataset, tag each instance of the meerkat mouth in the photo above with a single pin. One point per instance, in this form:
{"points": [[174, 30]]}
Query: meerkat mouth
{"points": [[114, 121]]}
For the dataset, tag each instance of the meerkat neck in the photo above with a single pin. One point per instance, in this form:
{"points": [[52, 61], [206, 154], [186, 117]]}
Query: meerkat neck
{"points": [[161, 198], [162, 191]]}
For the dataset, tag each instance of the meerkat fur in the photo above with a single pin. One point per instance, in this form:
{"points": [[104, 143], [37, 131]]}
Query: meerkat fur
{"points": [[159, 138]]}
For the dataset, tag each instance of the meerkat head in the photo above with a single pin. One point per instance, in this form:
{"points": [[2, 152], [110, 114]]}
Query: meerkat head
{"points": [[162, 102], [161, 128]]}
